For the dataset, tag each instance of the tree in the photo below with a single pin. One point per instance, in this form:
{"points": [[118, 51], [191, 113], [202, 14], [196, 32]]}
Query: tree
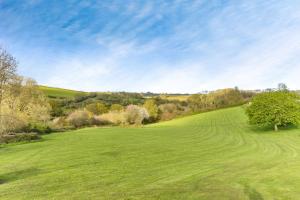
{"points": [[8, 67], [168, 111], [97, 108], [135, 114], [80, 118], [275, 109], [217, 99], [116, 107], [152, 109], [282, 87], [23, 104]]}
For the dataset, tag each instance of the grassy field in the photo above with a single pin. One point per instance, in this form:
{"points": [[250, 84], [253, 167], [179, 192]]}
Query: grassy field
{"points": [[59, 92], [214, 155], [175, 97]]}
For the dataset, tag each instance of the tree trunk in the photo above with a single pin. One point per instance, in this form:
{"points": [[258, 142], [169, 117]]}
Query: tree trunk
{"points": [[276, 127]]}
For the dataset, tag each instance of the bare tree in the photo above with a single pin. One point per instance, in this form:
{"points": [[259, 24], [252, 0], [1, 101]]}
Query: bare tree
{"points": [[8, 67], [282, 87]]}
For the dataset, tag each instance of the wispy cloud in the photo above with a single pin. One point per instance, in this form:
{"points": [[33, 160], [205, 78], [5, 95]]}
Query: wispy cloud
{"points": [[165, 46]]}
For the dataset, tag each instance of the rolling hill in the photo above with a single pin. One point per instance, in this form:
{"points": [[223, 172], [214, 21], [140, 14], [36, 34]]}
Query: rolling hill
{"points": [[215, 155], [59, 92]]}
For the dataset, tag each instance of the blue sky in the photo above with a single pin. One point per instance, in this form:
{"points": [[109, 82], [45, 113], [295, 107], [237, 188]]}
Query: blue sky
{"points": [[160, 46]]}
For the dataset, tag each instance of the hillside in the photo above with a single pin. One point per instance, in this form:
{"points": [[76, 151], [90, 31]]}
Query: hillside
{"points": [[59, 92], [214, 155]]}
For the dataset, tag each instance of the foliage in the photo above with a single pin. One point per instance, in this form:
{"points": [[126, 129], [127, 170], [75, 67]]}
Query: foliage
{"points": [[80, 118], [152, 109], [135, 114], [11, 123], [23, 103], [168, 111], [61, 107], [116, 107], [8, 67], [218, 99], [178, 97], [18, 137], [56, 108], [97, 108], [275, 109], [114, 117], [38, 127]]}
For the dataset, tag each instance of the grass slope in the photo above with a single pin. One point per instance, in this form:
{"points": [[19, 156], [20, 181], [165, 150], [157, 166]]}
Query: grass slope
{"points": [[214, 155], [59, 92], [175, 97]]}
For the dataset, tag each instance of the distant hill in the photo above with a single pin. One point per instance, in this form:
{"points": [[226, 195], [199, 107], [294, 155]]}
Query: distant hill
{"points": [[53, 92]]}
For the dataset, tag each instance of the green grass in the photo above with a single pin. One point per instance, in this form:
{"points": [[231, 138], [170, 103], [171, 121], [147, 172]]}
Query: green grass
{"points": [[59, 92], [214, 155]]}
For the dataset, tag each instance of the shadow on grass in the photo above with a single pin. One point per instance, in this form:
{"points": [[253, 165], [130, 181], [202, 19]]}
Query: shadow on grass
{"points": [[5, 145], [252, 193], [270, 129], [17, 175]]}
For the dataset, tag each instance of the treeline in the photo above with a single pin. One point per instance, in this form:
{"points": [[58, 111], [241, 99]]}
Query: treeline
{"points": [[63, 106], [218, 99], [135, 109]]}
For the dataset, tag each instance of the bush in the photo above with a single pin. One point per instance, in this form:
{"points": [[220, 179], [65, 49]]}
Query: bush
{"points": [[11, 123], [80, 118], [41, 128], [116, 107], [58, 123], [99, 121], [18, 137], [113, 117], [152, 109], [168, 111], [135, 115], [97, 108]]}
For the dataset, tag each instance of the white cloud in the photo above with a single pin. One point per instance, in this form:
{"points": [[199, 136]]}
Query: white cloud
{"points": [[176, 47], [79, 73]]}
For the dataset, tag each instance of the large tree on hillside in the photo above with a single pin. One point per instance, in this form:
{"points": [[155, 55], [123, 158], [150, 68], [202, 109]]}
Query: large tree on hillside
{"points": [[275, 109]]}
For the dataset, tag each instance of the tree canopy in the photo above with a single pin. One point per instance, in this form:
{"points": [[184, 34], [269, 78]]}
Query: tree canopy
{"points": [[277, 109], [152, 108]]}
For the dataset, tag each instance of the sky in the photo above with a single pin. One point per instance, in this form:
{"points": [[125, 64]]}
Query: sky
{"points": [[174, 46]]}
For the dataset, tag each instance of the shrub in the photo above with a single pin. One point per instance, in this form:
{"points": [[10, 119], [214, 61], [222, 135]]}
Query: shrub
{"points": [[11, 123], [97, 108], [18, 137], [80, 118], [41, 128], [113, 117], [168, 111], [116, 107], [135, 115], [99, 121], [152, 109], [58, 123]]}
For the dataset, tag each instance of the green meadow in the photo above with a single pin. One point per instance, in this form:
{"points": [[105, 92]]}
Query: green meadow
{"points": [[59, 92], [214, 155]]}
